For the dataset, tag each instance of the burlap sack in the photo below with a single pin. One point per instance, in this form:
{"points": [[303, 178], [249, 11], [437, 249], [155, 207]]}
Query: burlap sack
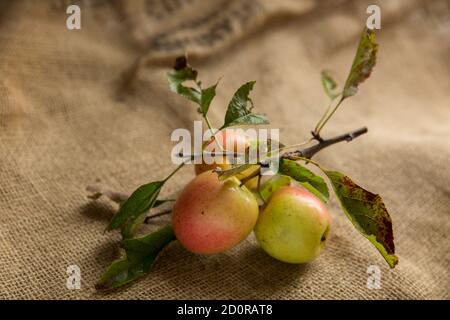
{"points": [[88, 105]]}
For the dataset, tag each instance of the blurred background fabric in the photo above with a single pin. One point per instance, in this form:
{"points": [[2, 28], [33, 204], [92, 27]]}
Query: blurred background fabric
{"points": [[93, 106]]}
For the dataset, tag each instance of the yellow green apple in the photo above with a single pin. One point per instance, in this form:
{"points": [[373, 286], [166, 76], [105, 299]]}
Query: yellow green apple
{"points": [[294, 225]]}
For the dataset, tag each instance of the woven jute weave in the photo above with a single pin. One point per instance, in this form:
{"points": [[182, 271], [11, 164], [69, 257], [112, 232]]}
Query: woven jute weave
{"points": [[82, 106]]}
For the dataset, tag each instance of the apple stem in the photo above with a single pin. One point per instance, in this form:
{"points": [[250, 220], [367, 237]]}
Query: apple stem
{"points": [[256, 173]]}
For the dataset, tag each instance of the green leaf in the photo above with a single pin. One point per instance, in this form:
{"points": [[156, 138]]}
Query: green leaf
{"points": [[306, 178], [329, 85], [249, 119], [131, 213], [181, 73], [140, 254], [239, 112], [365, 59], [367, 213], [207, 97]]}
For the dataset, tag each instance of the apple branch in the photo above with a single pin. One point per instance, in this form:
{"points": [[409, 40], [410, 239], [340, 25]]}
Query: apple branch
{"points": [[324, 143]]}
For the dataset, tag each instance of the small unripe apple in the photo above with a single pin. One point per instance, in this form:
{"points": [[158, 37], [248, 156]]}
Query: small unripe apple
{"points": [[227, 140], [212, 216], [294, 225], [230, 141]]}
